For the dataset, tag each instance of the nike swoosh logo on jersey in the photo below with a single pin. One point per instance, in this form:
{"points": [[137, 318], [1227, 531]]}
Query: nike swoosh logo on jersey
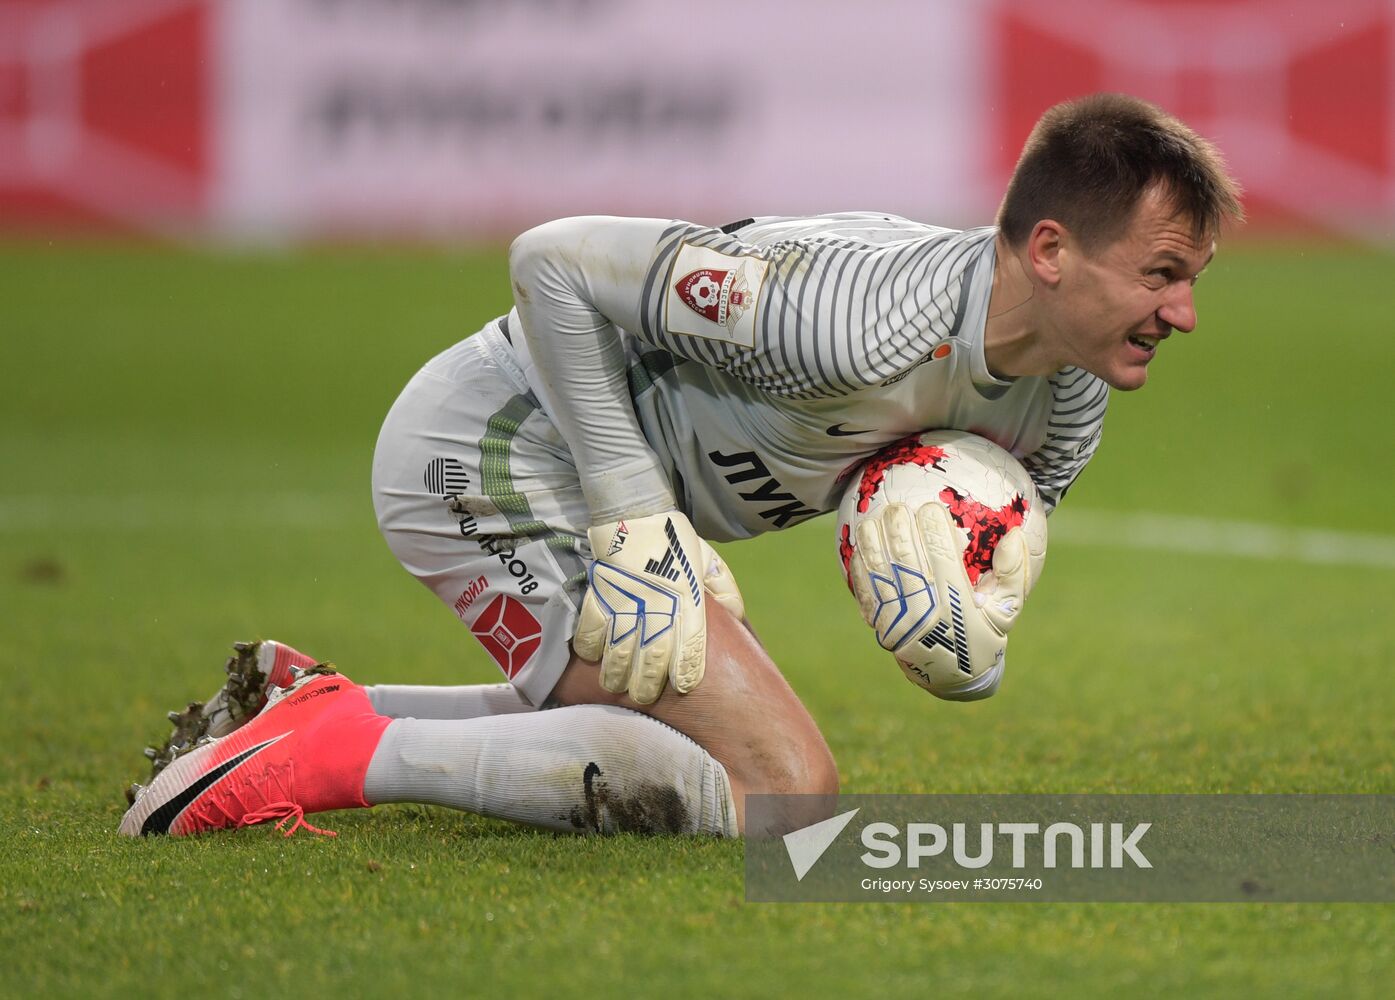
{"points": [[837, 431]]}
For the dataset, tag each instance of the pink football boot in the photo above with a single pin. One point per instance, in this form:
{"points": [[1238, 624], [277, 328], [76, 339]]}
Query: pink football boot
{"points": [[254, 670], [307, 751]]}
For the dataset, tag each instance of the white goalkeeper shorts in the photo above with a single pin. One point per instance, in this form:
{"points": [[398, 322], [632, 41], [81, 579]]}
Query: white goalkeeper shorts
{"points": [[478, 497]]}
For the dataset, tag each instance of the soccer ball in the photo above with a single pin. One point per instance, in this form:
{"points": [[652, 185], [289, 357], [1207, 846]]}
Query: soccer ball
{"points": [[987, 493]]}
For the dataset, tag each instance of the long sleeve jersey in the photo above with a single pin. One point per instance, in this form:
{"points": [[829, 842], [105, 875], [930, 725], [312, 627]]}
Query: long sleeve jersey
{"points": [[742, 374]]}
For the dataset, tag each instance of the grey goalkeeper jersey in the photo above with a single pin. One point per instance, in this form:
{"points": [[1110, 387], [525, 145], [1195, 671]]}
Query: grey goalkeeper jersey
{"points": [[766, 360]]}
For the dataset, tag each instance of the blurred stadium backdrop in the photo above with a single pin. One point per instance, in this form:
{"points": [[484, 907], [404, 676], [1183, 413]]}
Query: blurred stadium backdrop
{"points": [[275, 120]]}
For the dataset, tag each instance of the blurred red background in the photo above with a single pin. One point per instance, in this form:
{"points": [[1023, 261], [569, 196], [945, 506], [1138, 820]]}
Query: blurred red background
{"points": [[288, 119]]}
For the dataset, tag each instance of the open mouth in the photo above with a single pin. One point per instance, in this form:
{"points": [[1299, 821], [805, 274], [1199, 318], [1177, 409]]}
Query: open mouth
{"points": [[1148, 345]]}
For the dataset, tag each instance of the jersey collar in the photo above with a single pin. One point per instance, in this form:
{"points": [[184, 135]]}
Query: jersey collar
{"points": [[973, 317]]}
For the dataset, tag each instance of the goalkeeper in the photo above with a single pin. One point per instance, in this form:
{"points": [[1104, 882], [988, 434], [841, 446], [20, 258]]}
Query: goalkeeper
{"points": [[553, 477]]}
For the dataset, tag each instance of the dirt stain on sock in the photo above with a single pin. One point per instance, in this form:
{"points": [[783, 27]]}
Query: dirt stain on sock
{"points": [[648, 808]]}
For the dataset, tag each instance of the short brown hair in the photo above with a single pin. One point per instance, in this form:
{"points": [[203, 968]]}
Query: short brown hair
{"points": [[1088, 161]]}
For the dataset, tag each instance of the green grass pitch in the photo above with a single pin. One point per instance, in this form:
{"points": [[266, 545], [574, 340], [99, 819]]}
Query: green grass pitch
{"points": [[185, 441]]}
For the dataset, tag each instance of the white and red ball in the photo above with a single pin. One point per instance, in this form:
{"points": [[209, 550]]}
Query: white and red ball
{"points": [[985, 489]]}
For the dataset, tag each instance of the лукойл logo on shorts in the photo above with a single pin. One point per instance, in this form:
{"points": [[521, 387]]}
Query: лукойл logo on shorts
{"points": [[509, 633]]}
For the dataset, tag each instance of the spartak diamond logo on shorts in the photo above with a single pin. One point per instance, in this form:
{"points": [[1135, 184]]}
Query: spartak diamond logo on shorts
{"points": [[509, 633], [716, 295]]}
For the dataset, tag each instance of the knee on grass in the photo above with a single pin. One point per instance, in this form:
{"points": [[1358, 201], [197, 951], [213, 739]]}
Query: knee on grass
{"points": [[800, 772]]}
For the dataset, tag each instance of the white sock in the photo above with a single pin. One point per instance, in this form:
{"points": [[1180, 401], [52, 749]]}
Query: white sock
{"points": [[585, 768], [471, 701]]}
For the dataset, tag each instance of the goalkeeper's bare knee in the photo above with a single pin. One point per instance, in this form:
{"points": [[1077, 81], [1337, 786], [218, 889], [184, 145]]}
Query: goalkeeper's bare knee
{"points": [[744, 714]]}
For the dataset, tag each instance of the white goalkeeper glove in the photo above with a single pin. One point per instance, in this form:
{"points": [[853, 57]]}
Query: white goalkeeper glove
{"points": [[907, 572], [719, 584], [643, 616]]}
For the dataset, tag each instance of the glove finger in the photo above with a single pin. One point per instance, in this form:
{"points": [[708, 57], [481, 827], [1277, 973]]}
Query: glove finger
{"points": [[1036, 560], [592, 628], [1008, 589], [612, 687], [616, 664], [719, 582], [977, 641], [886, 605], [943, 548], [898, 532], [618, 657], [862, 587], [712, 564], [734, 603], [871, 546], [649, 670], [1010, 560], [940, 538], [692, 664]]}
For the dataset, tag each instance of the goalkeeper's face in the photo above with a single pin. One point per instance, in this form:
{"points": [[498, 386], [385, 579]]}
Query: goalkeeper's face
{"points": [[1117, 304]]}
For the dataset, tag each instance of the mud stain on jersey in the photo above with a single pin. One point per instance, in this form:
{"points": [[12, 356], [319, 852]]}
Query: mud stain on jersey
{"points": [[648, 808]]}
